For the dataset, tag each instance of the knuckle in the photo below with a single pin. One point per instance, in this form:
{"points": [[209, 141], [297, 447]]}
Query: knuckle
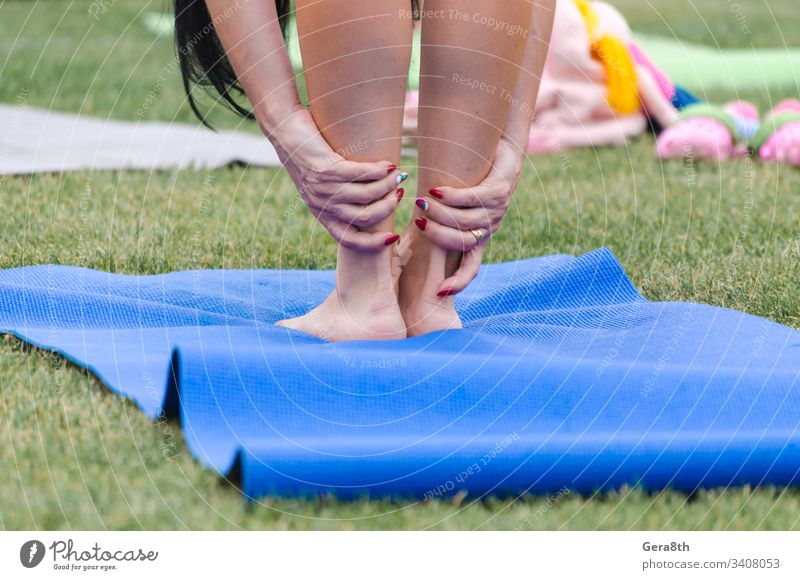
{"points": [[368, 192], [348, 243], [315, 171], [478, 221], [377, 189], [462, 222], [335, 191], [305, 189], [496, 200], [332, 211], [363, 195], [325, 168], [362, 220], [334, 232], [467, 221]]}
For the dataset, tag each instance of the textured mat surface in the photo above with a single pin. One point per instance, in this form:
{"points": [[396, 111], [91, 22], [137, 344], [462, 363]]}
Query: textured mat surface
{"points": [[563, 376]]}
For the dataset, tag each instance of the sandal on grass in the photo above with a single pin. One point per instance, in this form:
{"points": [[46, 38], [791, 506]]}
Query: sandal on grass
{"points": [[778, 138], [704, 131]]}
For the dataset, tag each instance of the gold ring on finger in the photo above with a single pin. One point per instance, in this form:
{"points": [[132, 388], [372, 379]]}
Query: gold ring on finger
{"points": [[479, 234]]}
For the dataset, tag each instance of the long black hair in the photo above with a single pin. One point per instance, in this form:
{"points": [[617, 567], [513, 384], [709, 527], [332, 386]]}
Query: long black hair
{"points": [[202, 58]]}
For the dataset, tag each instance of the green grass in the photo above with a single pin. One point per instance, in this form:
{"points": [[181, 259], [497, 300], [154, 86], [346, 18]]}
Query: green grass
{"points": [[74, 456]]}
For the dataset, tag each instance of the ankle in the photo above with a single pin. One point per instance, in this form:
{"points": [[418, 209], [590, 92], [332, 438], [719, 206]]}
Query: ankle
{"points": [[362, 278]]}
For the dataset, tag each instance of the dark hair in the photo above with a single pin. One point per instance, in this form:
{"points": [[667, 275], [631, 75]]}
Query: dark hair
{"points": [[202, 59]]}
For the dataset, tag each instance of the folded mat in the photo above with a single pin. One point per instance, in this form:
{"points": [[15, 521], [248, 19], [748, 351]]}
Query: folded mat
{"points": [[563, 376], [38, 141]]}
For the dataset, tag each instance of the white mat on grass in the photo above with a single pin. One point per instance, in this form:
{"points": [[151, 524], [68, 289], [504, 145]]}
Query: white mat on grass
{"points": [[37, 141]]}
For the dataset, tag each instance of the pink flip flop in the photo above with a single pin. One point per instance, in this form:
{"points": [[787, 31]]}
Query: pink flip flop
{"points": [[706, 131], [778, 139]]}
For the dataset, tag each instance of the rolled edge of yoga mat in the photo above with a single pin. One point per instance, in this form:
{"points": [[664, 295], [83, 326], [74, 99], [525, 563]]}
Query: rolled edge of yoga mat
{"points": [[721, 385]]}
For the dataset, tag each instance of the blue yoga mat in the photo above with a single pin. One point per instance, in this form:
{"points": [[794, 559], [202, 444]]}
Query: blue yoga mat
{"points": [[563, 376]]}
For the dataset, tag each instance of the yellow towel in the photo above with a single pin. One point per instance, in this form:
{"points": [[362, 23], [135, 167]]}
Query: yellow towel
{"points": [[613, 53]]}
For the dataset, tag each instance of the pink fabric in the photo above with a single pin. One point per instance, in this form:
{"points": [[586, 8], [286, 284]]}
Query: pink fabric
{"points": [[572, 109], [783, 145], [695, 138], [640, 58], [787, 105], [743, 109], [703, 137]]}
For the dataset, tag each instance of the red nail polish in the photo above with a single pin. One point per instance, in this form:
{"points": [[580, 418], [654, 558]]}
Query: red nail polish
{"points": [[421, 222], [392, 167], [436, 193], [391, 239], [400, 193], [446, 292], [422, 204]]}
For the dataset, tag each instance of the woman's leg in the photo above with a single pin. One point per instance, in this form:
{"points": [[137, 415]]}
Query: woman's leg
{"points": [[356, 55], [471, 56]]}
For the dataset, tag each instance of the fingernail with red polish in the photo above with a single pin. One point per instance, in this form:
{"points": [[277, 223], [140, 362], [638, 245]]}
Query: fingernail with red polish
{"points": [[422, 204], [446, 292], [436, 193], [391, 239], [392, 167], [400, 193], [421, 223]]}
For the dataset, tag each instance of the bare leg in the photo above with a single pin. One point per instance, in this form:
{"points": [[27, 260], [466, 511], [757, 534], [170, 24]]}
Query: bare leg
{"points": [[471, 56], [356, 55]]}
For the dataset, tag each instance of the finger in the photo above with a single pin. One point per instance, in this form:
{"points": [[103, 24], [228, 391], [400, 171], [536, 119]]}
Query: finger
{"points": [[448, 238], [467, 270], [361, 192], [352, 238], [459, 218], [365, 216], [345, 171], [487, 195]]}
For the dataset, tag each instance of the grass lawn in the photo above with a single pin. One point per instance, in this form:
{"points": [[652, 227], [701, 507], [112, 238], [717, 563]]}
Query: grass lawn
{"points": [[74, 456]]}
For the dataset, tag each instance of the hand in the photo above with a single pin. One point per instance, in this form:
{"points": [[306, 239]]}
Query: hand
{"points": [[453, 214], [345, 196]]}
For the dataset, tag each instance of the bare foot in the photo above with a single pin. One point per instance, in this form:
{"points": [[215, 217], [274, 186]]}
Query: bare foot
{"points": [[333, 321], [362, 307], [422, 274]]}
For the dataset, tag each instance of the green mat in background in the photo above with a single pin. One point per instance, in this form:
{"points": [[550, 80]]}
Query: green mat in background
{"points": [[700, 67]]}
